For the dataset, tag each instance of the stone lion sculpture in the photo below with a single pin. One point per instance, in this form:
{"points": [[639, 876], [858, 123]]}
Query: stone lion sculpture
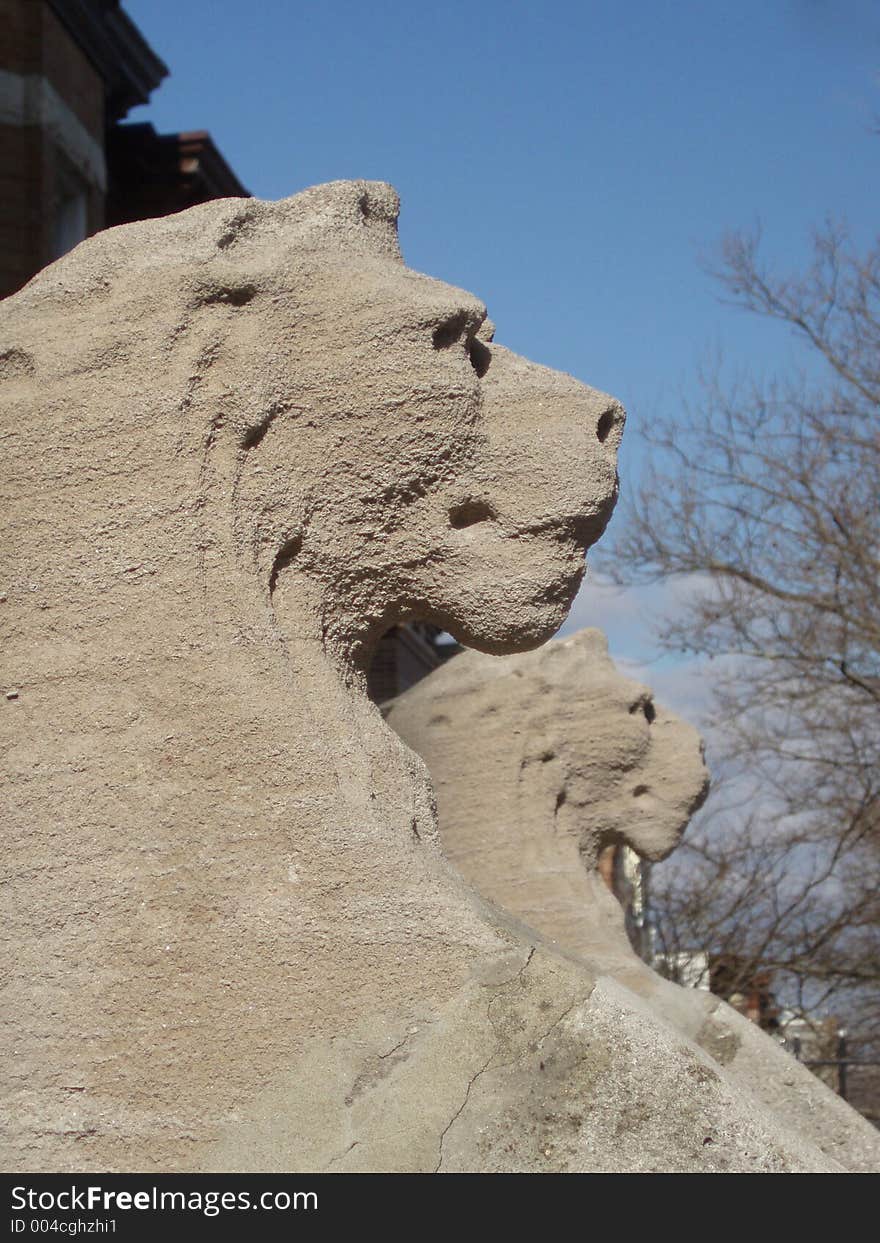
{"points": [[239, 443], [539, 762]]}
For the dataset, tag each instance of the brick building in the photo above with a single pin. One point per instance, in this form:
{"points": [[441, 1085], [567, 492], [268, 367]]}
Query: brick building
{"points": [[405, 655], [70, 71]]}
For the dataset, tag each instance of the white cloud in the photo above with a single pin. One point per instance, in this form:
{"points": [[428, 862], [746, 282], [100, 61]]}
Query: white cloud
{"points": [[631, 618]]}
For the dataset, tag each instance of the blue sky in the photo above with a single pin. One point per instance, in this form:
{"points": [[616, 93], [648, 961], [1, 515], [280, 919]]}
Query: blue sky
{"points": [[567, 162]]}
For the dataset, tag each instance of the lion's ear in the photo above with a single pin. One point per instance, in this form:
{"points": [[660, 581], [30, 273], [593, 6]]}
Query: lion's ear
{"points": [[590, 640], [354, 216], [351, 217], [591, 647]]}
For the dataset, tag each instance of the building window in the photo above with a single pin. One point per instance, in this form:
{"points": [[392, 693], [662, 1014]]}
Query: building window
{"points": [[70, 217]]}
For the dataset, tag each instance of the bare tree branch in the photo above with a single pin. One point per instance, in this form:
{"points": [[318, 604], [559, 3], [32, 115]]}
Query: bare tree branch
{"points": [[768, 498]]}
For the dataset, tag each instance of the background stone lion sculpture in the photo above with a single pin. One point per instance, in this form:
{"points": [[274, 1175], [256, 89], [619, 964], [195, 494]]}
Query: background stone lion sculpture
{"points": [[541, 760], [238, 444]]}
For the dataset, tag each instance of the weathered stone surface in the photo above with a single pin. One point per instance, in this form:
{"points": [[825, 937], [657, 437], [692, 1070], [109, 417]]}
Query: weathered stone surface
{"points": [[238, 444], [538, 761]]}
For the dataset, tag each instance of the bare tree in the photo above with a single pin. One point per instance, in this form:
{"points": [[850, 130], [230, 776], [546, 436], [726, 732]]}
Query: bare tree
{"points": [[768, 497]]}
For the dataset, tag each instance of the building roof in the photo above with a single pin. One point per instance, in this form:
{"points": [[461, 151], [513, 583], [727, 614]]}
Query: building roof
{"points": [[119, 52], [156, 174]]}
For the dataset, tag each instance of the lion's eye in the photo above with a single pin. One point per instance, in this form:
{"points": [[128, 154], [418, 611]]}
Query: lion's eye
{"points": [[451, 331], [469, 513]]}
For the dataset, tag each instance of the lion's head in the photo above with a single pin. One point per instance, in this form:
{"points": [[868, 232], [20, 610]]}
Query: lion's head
{"points": [[328, 420], [541, 760]]}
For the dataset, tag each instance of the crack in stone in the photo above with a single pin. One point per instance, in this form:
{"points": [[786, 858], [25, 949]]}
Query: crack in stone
{"points": [[460, 1109], [505, 984], [502, 1065], [518, 975], [399, 1045], [370, 1074], [354, 1143], [540, 1039], [574, 1005], [525, 965]]}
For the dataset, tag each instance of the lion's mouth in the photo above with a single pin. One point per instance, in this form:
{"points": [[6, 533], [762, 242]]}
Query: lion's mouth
{"points": [[582, 530], [563, 588]]}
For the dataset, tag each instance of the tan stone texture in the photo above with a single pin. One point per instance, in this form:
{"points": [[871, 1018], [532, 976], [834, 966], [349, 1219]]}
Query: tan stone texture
{"points": [[541, 760], [237, 445]]}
